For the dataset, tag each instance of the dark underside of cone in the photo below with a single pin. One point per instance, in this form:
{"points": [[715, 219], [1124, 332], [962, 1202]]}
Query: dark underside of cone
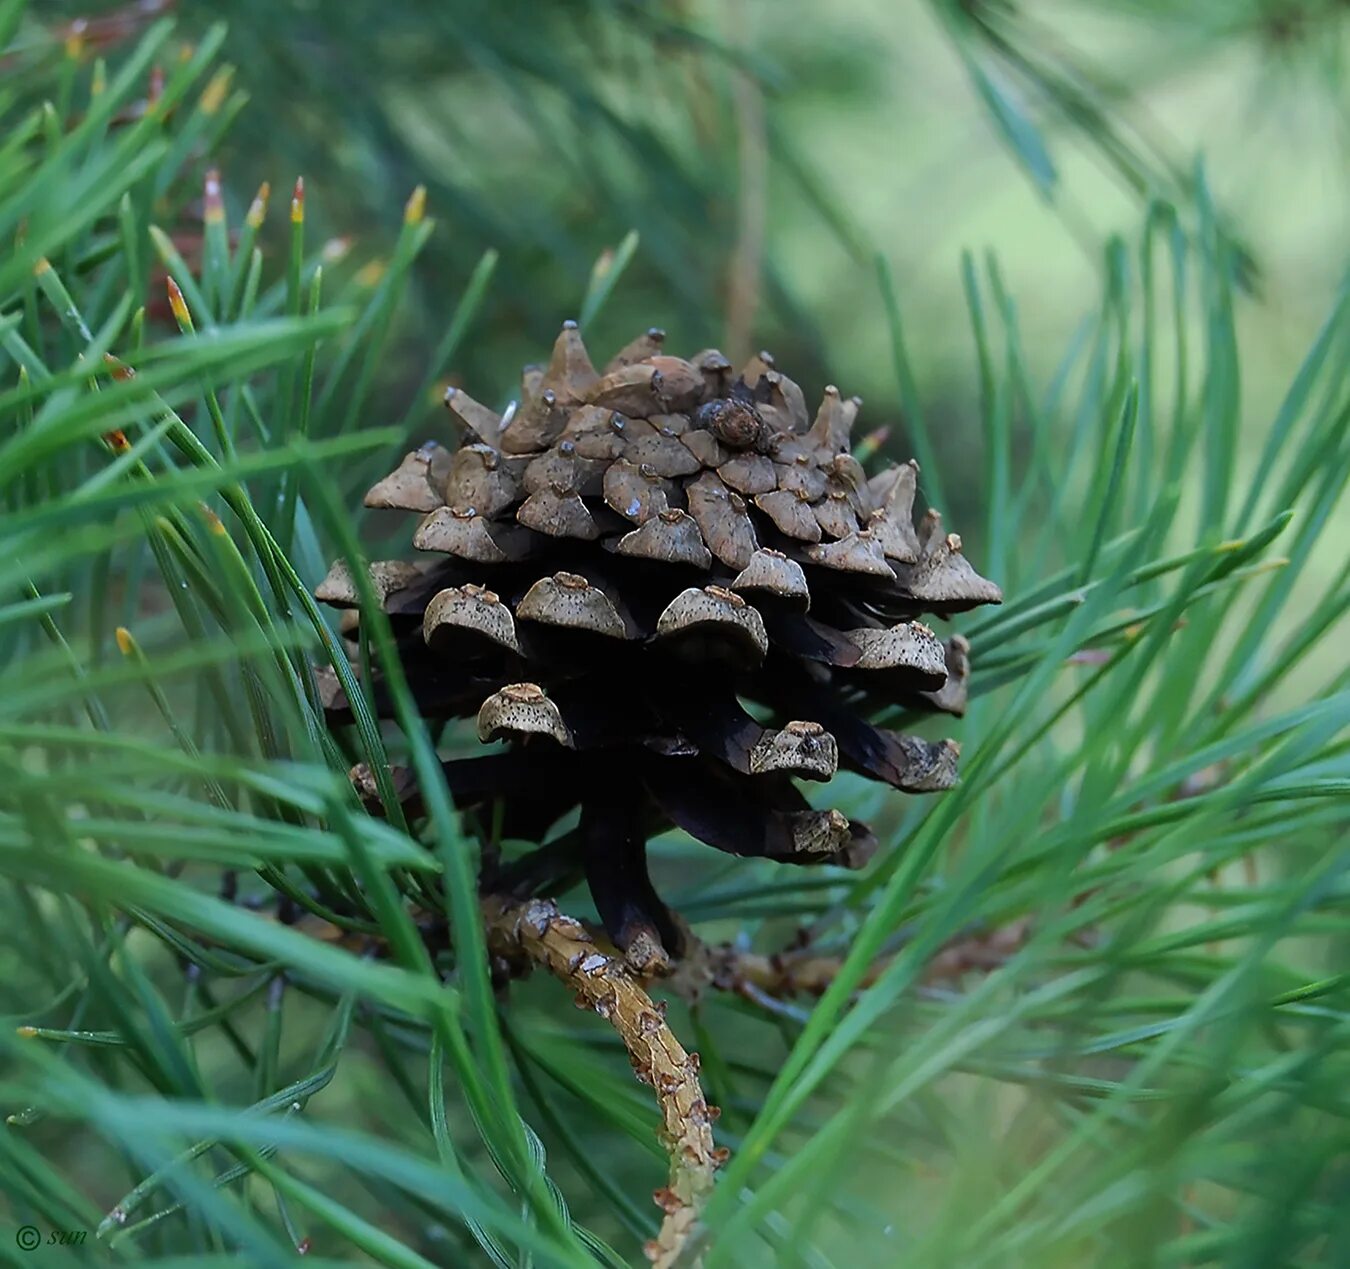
{"points": [[674, 595]]}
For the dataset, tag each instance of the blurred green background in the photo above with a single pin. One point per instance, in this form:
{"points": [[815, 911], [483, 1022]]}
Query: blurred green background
{"points": [[765, 149], [766, 152]]}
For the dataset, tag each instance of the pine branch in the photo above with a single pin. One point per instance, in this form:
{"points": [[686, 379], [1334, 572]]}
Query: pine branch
{"points": [[531, 933], [801, 971]]}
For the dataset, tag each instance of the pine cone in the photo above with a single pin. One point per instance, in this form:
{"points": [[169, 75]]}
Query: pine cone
{"points": [[673, 595]]}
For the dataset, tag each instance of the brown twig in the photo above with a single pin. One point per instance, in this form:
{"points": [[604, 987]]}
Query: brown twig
{"points": [[798, 970], [801, 971], [534, 932]]}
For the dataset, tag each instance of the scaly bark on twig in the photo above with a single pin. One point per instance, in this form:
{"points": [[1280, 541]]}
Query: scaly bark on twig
{"points": [[803, 971], [534, 931]]}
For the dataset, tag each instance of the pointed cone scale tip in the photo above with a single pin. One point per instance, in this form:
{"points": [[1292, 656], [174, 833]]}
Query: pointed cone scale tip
{"points": [[464, 536], [522, 709], [533, 427], [788, 401], [773, 573], [478, 480], [484, 423], [648, 344], [298, 201], [859, 552], [829, 433], [385, 576], [943, 576], [790, 515], [559, 514], [819, 832], [928, 767], [569, 601], [671, 537], [635, 494], [336, 587], [835, 516], [954, 695], [570, 374], [907, 646], [716, 612], [409, 486], [471, 611], [802, 748]]}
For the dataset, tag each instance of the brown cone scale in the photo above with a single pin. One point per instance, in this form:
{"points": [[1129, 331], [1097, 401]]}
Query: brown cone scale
{"points": [[622, 564]]}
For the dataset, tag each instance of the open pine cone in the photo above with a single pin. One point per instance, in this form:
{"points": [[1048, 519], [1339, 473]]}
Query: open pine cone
{"points": [[674, 595]]}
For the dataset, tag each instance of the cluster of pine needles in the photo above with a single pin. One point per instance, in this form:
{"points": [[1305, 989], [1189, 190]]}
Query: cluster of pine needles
{"points": [[1083, 1008]]}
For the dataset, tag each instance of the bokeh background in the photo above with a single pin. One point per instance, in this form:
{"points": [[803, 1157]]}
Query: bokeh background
{"points": [[767, 154], [766, 150]]}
